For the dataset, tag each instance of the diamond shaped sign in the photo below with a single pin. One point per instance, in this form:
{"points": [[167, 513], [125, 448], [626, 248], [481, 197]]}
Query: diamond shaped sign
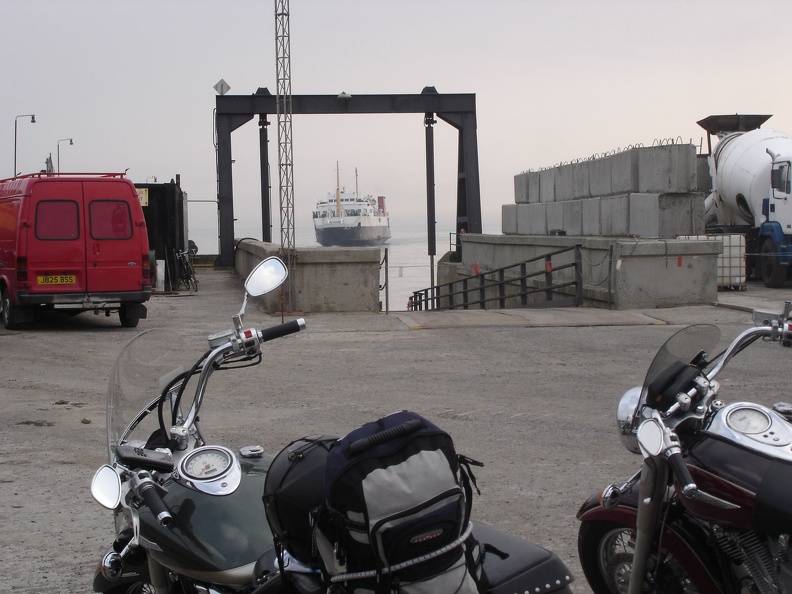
{"points": [[222, 87]]}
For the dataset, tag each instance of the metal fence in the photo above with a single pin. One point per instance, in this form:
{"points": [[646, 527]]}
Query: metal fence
{"points": [[526, 284]]}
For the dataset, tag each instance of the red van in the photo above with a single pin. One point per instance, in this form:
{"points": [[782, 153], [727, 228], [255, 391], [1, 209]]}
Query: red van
{"points": [[72, 242]]}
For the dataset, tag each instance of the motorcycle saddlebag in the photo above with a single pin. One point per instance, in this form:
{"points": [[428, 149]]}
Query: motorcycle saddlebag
{"points": [[516, 565]]}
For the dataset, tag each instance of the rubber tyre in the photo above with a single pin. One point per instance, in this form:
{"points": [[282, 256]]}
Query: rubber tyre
{"points": [[193, 280], [7, 312], [127, 321], [606, 558], [773, 274], [138, 588]]}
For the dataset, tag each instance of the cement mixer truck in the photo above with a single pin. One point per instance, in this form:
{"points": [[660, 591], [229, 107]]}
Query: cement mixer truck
{"points": [[750, 169]]}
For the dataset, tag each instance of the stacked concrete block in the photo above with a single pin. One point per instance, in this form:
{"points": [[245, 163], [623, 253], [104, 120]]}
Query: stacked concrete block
{"points": [[555, 217], [601, 177], [532, 219], [564, 183], [533, 180], [590, 216], [573, 217], [547, 185], [627, 194], [509, 218], [666, 215], [624, 172], [669, 168], [521, 188], [581, 174], [615, 215], [703, 176]]}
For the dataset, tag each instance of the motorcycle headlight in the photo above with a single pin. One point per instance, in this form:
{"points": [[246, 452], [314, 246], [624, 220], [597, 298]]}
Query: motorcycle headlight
{"points": [[625, 419]]}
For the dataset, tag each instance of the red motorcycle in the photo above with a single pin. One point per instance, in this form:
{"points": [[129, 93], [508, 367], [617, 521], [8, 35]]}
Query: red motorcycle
{"points": [[709, 510]]}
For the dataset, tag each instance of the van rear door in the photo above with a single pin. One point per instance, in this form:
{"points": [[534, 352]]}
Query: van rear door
{"points": [[54, 242], [113, 237]]}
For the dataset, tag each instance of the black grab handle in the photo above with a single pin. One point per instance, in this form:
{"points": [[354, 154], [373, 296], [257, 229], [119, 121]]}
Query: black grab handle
{"points": [[361, 445]]}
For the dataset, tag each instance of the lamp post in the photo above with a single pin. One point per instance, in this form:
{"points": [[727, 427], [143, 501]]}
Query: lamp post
{"points": [[32, 121], [71, 142]]}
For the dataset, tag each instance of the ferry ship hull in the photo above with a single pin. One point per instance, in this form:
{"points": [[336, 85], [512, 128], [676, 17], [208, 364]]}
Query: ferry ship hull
{"points": [[352, 236]]}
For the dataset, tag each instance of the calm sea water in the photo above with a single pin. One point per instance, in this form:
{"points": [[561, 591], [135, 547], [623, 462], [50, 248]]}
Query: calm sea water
{"points": [[408, 260]]}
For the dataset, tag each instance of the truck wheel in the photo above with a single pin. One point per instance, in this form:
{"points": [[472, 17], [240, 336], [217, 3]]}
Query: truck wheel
{"points": [[773, 274], [128, 320], [7, 311]]}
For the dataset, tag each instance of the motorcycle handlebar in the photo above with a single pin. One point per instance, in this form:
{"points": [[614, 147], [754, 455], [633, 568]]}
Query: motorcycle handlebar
{"points": [[147, 489], [681, 472], [281, 330]]}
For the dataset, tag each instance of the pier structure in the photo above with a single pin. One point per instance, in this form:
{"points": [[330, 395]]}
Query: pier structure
{"points": [[458, 110]]}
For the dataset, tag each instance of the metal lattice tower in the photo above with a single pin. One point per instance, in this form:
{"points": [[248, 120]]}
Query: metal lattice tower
{"points": [[285, 169]]}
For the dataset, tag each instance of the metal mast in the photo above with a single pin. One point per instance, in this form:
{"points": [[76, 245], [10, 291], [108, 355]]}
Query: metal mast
{"points": [[284, 114]]}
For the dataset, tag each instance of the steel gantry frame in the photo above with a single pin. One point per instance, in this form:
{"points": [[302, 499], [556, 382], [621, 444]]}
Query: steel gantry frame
{"points": [[458, 110]]}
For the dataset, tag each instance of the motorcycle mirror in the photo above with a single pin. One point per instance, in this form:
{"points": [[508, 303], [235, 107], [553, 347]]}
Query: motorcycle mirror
{"points": [[268, 275], [651, 438], [106, 487]]}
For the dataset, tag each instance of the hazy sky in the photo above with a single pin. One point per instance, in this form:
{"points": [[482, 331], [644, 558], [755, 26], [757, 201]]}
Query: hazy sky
{"points": [[132, 83]]}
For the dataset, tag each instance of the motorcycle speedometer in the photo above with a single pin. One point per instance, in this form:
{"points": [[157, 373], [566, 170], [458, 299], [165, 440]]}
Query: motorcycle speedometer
{"points": [[210, 469]]}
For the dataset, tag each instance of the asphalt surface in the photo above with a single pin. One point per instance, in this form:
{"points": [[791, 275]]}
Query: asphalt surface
{"points": [[531, 393]]}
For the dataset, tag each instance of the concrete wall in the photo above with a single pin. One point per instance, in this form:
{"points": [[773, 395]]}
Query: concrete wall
{"points": [[621, 273], [325, 279]]}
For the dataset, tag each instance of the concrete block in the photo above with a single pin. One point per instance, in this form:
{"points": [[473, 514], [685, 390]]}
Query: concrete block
{"points": [[547, 185], [555, 216], [573, 217], [668, 168], [521, 188], [565, 183], [666, 215], [644, 215], [509, 219], [615, 215], [581, 176], [590, 215], [534, 195], [531, 219], [600, 174], [624, 172], [704, 182]]}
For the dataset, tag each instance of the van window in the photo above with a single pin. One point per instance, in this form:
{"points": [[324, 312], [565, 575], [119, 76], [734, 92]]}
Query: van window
{"points": [[57, 219], [110, 219]]}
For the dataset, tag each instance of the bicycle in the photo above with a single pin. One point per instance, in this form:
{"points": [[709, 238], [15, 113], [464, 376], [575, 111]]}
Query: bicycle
{"points": [[186, 271]]}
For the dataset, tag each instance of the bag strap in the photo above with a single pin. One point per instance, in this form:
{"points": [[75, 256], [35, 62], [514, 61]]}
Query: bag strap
{"points": [[467, 478]]}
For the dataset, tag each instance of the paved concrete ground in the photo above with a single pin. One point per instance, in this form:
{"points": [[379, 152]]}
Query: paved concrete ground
{"points": [[530, 393]]}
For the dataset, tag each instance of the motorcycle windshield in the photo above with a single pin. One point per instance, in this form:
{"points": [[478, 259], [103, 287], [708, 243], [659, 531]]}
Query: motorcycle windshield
{"points": [[680, 350], [143, 369]]}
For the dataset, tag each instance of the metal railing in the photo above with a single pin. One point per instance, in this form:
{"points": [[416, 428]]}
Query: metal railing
{"points": [[511, 286]]}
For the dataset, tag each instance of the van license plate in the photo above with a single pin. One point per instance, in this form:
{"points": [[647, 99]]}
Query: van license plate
{"points": [[64, 279]]}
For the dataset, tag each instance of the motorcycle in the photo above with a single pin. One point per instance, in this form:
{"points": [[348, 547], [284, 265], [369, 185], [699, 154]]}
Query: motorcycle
{"points": [[708, 511], [189, 516]]}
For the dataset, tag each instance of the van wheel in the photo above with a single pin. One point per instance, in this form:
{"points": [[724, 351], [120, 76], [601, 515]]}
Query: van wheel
{"points": [[127, 320], [7, 311]]}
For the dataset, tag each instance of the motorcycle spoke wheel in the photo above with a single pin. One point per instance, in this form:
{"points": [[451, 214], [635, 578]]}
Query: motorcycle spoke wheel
{"points": [[606, 551]]}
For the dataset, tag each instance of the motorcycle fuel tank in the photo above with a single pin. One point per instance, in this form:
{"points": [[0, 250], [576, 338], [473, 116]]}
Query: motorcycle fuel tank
{"points": [[215, 538], [745, 458]]}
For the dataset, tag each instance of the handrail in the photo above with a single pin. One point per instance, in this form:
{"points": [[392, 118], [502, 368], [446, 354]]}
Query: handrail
{"points": [[473, 290]]}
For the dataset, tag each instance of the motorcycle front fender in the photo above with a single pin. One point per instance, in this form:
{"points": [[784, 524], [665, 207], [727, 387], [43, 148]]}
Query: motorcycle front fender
{"points": [[686, 537]]}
